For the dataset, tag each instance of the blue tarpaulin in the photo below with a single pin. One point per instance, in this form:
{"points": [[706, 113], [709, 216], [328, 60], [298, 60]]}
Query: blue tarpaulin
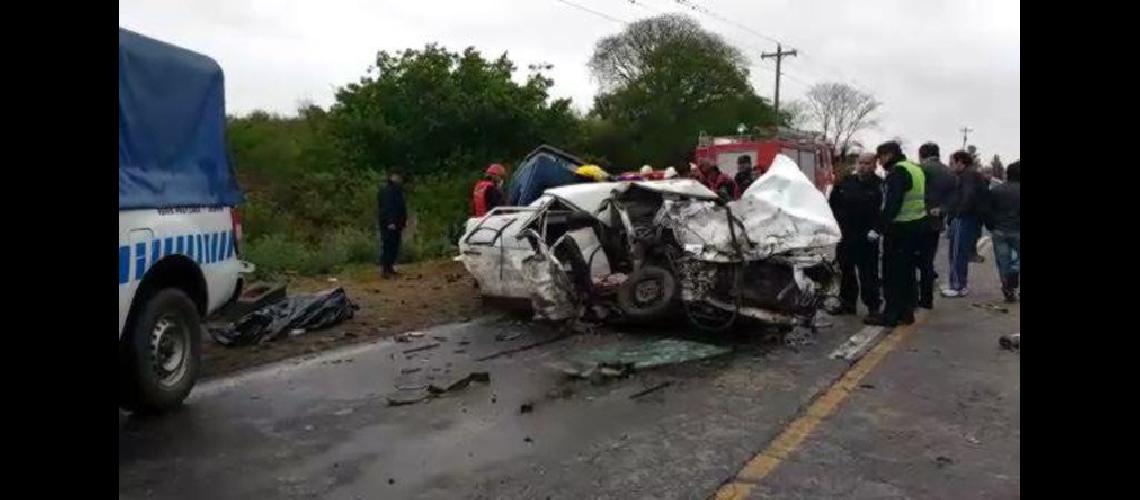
{"points": [[172, 119], [544, 168]]}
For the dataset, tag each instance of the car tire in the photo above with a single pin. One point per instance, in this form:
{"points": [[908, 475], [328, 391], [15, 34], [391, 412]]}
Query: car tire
{"points": [[161, 353], [648, 293]]}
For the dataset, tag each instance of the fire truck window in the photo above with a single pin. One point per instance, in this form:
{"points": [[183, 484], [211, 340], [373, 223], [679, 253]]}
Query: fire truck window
{"points": [[807, 163]]}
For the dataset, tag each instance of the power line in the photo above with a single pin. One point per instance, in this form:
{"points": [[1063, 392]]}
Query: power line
{"points": [[592, 11]]}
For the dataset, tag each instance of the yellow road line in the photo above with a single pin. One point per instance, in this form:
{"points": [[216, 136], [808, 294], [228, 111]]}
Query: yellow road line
{"points": [[796, 432]]}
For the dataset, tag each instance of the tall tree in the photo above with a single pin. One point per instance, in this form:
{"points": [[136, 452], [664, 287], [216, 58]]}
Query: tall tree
{"points": [[664, 80], [840, 111]]}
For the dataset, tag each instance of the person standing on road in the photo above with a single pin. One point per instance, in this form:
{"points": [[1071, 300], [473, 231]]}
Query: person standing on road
{"points": [[965, 210], [939, 191], [1003, 219], [488, 192], [857, 204], [744, 173], [393, 218], [902, 222]]}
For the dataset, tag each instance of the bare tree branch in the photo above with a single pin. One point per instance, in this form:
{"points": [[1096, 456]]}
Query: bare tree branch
{"points": [[841, 111]]}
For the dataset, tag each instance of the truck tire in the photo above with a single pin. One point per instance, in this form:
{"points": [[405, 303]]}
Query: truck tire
{"points": [[160, 353], [648, 293]]}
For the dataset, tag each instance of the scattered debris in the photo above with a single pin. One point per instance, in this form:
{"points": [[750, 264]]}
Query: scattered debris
{"points": [[307, 312], [332, 280], [439, 338], [526, 408], [507, 337], [651, 389], [973, 440], [857, 345], [296, 331], [308, 427], [391, 481], [527, 347], [415, 334], [344, 411], [459, 351], [867, 386], [623, 359], [411, 370], [401, 400], [528, 439], [458, 383], [424, 347], [1010, 342], [943, 461], [992, 307]]}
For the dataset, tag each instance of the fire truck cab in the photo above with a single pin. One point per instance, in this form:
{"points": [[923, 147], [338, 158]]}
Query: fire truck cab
{"points": [[812, 155]]}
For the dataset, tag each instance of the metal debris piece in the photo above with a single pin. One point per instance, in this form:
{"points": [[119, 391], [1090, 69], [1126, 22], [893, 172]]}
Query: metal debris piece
{"points": [[651, 389], [411, 370], [992, 307], [526, 408], [458, 383]]}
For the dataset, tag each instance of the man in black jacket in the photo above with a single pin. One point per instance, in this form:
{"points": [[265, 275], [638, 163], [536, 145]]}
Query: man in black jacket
{"points": [[965, 221], [939, 191], [1003, 219], [744, 174], [857, 204], [393, 217]]}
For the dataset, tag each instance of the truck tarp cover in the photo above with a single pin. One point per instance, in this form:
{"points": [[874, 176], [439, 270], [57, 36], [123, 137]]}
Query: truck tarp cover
{"points": [[544, 168], [172, 150]]}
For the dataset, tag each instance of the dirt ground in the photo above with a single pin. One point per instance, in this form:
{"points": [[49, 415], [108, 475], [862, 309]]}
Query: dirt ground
{"points": [[426, 294]]}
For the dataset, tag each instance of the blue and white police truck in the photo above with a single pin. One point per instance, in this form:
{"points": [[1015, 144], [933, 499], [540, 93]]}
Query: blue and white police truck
{"points": [[179, 232]]}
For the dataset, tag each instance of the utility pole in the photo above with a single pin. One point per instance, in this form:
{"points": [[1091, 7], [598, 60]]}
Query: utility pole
{"points": [[965, 133], [779, 55]]}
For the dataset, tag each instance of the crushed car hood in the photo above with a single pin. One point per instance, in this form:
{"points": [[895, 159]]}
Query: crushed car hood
{"points": [[782, 212]]}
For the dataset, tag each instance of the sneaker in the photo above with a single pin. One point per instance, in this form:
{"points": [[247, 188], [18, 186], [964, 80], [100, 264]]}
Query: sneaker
{"points": [[977, 259], [1010, 295], [950, 293], [926, 304]]}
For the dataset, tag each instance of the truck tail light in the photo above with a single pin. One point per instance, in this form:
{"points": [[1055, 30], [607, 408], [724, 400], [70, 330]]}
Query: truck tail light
{"points": [[235, 216]]}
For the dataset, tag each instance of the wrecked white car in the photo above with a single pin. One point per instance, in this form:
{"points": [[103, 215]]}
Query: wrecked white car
{"points": [[655, 249]]}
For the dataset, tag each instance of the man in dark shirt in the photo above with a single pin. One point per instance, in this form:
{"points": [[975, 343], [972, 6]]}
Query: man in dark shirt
{"points": [[939, 191], [744, 173], [904, 215], [1003, 219], [857, 204], [393, 217], [965, 217]]}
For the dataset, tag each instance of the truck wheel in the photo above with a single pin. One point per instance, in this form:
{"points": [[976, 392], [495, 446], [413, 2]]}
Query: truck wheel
{"points": [[161, 353], [647, 293]]}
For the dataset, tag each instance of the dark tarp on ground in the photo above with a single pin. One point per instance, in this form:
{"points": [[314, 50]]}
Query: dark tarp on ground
{"points": [[172, 119], [544, 168], [308, 312]]}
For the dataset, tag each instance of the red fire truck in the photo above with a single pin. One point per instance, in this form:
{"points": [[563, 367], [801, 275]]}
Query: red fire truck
{"points": [[811, 154]]}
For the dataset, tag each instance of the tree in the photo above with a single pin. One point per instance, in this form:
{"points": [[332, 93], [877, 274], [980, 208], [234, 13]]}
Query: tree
{"points": [[433, 110], [840, 111], [664, 80]]}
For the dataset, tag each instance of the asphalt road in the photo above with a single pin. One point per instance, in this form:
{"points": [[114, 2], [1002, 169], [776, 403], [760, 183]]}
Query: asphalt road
{"points": [[937, 417]]}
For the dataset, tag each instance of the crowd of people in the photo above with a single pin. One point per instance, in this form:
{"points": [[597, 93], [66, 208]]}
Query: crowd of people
{"points": [[908, 211]]}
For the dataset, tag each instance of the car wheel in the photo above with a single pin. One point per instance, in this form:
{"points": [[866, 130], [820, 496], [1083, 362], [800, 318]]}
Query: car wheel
{"points": [[161, 353], [647, 293]]}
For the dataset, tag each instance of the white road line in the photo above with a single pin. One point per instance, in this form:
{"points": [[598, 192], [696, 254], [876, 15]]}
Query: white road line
{"points": [[857, 345]]}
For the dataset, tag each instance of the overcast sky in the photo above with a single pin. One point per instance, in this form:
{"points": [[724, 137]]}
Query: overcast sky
{"points": [[936, 65]]}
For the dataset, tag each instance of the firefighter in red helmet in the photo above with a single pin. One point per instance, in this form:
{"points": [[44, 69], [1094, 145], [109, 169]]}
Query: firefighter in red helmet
{"points": [[488, 192]]}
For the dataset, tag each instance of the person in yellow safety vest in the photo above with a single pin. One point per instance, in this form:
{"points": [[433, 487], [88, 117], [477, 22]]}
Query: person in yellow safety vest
{"points": [[904, 216]]}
